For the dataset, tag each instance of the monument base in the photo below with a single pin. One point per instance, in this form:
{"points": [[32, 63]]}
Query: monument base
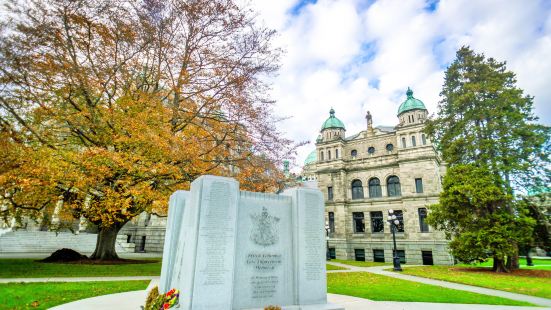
{"points": [[327, 306]]}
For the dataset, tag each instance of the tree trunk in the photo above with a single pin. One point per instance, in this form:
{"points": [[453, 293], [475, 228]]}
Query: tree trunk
{"points": [[528, 257], [513, 261], [105, 245], [499, 265]]}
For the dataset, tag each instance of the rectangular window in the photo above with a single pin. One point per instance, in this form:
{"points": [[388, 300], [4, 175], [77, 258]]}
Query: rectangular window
{"points": [[330, 193], [331, 216], [359, 255], [358, 218], [328, 155], [377, 222], [404, 143], [413, 143], [402, 256], [400, 217], [379, 256], [336, 154], [419, 185], [332, 253], [422, 220], [423, 139]]}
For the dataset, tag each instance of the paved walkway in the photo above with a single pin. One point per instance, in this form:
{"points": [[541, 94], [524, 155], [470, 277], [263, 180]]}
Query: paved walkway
{"points": [[456, 286], [133, 301]]}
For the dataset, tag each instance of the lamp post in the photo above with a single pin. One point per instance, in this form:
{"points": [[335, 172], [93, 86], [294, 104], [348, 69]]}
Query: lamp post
{"points": [[393, 221], [327, 254]]}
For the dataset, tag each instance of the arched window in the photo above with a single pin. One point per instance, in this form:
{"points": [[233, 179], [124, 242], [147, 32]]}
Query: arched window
{"points": [[354, 153], [321, 155], [393, 186], [423, 139], [375, 188], [336, 153], [328, 155], [357, 190], [413, 142], [404, 142]]}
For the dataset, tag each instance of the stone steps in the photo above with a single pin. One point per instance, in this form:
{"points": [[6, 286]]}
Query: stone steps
{"points": [[47, 242]]}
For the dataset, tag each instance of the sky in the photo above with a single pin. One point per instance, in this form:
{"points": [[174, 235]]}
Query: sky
{"points": [[358, 55]]}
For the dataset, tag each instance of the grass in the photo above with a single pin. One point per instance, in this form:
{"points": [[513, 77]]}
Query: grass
{"points": [[333, 267], [28, 268], [378, 287], [515, 283], [46, 295], [539, 264], [358, 264]]}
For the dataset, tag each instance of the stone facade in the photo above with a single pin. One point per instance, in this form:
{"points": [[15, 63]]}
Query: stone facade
{"points": [[346, 166]]}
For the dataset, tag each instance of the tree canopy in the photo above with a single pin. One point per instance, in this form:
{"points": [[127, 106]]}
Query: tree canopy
{"points": [[110, 106], [485, 125]]}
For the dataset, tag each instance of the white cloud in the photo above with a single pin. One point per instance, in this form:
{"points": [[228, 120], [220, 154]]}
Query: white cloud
{"points": [[355, 56]]}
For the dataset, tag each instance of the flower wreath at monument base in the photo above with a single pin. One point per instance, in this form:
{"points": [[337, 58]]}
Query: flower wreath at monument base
{"points": [[155, 301]]}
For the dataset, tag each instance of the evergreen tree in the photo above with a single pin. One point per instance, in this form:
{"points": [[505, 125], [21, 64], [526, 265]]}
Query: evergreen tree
{"points": [[486, 122]]}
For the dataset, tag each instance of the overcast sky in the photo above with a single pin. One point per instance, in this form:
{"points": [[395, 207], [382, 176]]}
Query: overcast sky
{"points": [[357, 55]]}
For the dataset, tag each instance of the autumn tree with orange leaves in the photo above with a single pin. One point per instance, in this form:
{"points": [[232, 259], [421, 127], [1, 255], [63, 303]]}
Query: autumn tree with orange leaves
{"points": [[110, 106]]}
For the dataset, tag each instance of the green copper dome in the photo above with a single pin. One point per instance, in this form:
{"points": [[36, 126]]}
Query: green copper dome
{"points": [[332, 121], [312, 158], [411, 103]]}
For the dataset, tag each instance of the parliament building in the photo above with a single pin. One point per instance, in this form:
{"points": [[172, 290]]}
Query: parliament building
{"points": [[378, 169]]}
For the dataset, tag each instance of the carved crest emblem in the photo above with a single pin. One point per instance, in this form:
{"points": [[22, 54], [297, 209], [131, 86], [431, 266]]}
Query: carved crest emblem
{"points": [[265, 228]]}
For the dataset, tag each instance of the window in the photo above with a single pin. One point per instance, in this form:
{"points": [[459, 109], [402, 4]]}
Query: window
{"points": [[400, 217], [332, 253], [354, 153], [331, 217], [330, 193], [419, 185], [358, 218], [393, 186], [321, 155], [371, 150], [359, 255], [389, 147], [422, 220], [427, 257], [328, 155], [128, 238], [413, 143], [357, 190], [379, 256], [404, 142], [336, 154], [377, 222], [402, 256], [423, 139], [142, 245], [374, 188]]}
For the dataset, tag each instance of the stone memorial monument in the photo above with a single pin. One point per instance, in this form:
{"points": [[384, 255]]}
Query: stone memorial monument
{"points": [[231, 249]]}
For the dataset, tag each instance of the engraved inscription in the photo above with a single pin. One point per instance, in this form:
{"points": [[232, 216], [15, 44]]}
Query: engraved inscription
{"points": [[263, 286], [313, 238], [215, 232], [264, 261], [265, 230]]}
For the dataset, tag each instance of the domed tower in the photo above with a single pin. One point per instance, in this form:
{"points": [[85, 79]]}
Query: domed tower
{"points": [[332, 128], [412, 111]]}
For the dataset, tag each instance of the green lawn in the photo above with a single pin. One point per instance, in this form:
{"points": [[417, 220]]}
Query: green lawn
{"points": [[358, 264], [46, 295], [28, 268], [540, 264], [378, 287], [521, 284], [333, 267]]}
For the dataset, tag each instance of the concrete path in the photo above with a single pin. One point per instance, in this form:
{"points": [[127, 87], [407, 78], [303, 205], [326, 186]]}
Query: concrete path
{"points": [[133, 301], [75, 279], [456, 286]]}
